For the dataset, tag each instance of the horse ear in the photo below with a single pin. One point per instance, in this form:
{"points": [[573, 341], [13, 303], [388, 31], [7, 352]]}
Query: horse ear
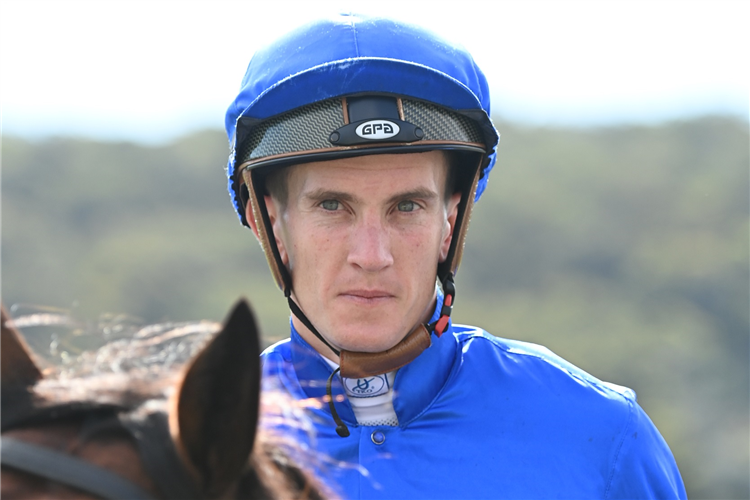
{"points": [[217, 403], [18, 369]]}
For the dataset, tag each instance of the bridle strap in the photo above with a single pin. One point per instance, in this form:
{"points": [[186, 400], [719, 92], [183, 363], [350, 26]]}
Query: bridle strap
{"points": [[65, 469], [160, 458]]}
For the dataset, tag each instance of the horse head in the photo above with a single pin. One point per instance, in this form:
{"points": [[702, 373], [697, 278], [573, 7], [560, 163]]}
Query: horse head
{"points": [[199, 442]]}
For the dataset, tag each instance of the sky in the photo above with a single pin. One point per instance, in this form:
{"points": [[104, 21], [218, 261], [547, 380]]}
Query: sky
{"points": [[150, 71]]}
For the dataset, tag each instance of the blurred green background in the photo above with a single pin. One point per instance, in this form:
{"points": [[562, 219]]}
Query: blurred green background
{"points": [[623, 249]]}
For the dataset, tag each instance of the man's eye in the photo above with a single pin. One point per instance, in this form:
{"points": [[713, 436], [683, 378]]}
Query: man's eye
{"points": [[330, 205], [407, 206]]}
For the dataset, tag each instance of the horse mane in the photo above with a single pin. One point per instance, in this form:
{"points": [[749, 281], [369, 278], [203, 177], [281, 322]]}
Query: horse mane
{"points": [[123, 373]]}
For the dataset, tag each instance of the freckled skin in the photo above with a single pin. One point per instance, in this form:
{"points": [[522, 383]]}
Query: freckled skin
{"points": [[362, 238]]}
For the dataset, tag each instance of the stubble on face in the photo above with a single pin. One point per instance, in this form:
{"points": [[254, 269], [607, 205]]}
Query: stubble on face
{"points": [[362, 238]]}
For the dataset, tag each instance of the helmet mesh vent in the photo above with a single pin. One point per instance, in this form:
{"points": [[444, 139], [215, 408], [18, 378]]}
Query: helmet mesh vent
{"points": [[303, 129], [308, 128], [439, 124]]}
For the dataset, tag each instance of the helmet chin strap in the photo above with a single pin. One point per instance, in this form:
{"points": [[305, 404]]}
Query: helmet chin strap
{"points": [[366, 364], [354, 364]]}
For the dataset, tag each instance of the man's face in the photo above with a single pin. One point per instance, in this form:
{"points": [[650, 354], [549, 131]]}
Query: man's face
{"points": [[362, 238]]}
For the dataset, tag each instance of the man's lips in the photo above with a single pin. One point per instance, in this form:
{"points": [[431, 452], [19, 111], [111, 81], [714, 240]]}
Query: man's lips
{"points": [[366, 296]]}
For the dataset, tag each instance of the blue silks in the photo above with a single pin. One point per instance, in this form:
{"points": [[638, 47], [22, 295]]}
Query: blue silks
{"points": [[482, 417]]}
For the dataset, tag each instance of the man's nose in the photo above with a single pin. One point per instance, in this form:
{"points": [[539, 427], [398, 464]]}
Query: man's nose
{"points": [[369, 245]]}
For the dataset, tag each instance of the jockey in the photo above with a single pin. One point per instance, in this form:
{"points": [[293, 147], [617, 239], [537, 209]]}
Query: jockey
{"points": [[358, 148]]}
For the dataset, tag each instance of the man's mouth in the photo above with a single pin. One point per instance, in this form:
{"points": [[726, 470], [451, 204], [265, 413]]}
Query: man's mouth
{"points": [[366, 297]]}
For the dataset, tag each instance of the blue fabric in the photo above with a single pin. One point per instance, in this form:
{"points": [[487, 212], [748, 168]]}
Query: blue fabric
{"points": [[483, 417], [350, 54]]}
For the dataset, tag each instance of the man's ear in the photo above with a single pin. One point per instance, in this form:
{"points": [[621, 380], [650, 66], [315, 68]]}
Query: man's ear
{"points": [[274, 215], [450, 225]]}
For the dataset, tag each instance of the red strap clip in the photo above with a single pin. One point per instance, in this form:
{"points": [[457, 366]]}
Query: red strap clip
{"points": [[442, 323]]}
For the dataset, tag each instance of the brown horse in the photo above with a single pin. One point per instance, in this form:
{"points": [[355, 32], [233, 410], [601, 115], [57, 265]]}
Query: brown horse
{"points": [[187, 433]]}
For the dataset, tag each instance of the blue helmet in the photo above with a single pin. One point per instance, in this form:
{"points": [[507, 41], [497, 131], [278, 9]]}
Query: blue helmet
{"points": [[351, 85]]}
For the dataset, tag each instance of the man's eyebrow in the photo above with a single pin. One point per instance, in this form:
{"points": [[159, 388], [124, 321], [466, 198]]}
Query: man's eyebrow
{"points": [[328, 194], [322, 194], [418, 194]]}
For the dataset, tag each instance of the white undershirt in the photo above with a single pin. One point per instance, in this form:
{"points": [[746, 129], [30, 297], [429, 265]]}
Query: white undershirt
{"points": [[371, 398]]}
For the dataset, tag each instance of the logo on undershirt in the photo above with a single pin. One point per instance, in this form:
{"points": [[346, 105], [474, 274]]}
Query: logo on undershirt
{"points": [[366, 387]]}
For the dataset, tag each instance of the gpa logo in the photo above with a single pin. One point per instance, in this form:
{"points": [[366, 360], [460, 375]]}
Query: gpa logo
{"points": [[377, 129]]}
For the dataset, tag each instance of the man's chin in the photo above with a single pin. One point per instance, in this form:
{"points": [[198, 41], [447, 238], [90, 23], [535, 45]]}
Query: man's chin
{"points": [[369, 338]]}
